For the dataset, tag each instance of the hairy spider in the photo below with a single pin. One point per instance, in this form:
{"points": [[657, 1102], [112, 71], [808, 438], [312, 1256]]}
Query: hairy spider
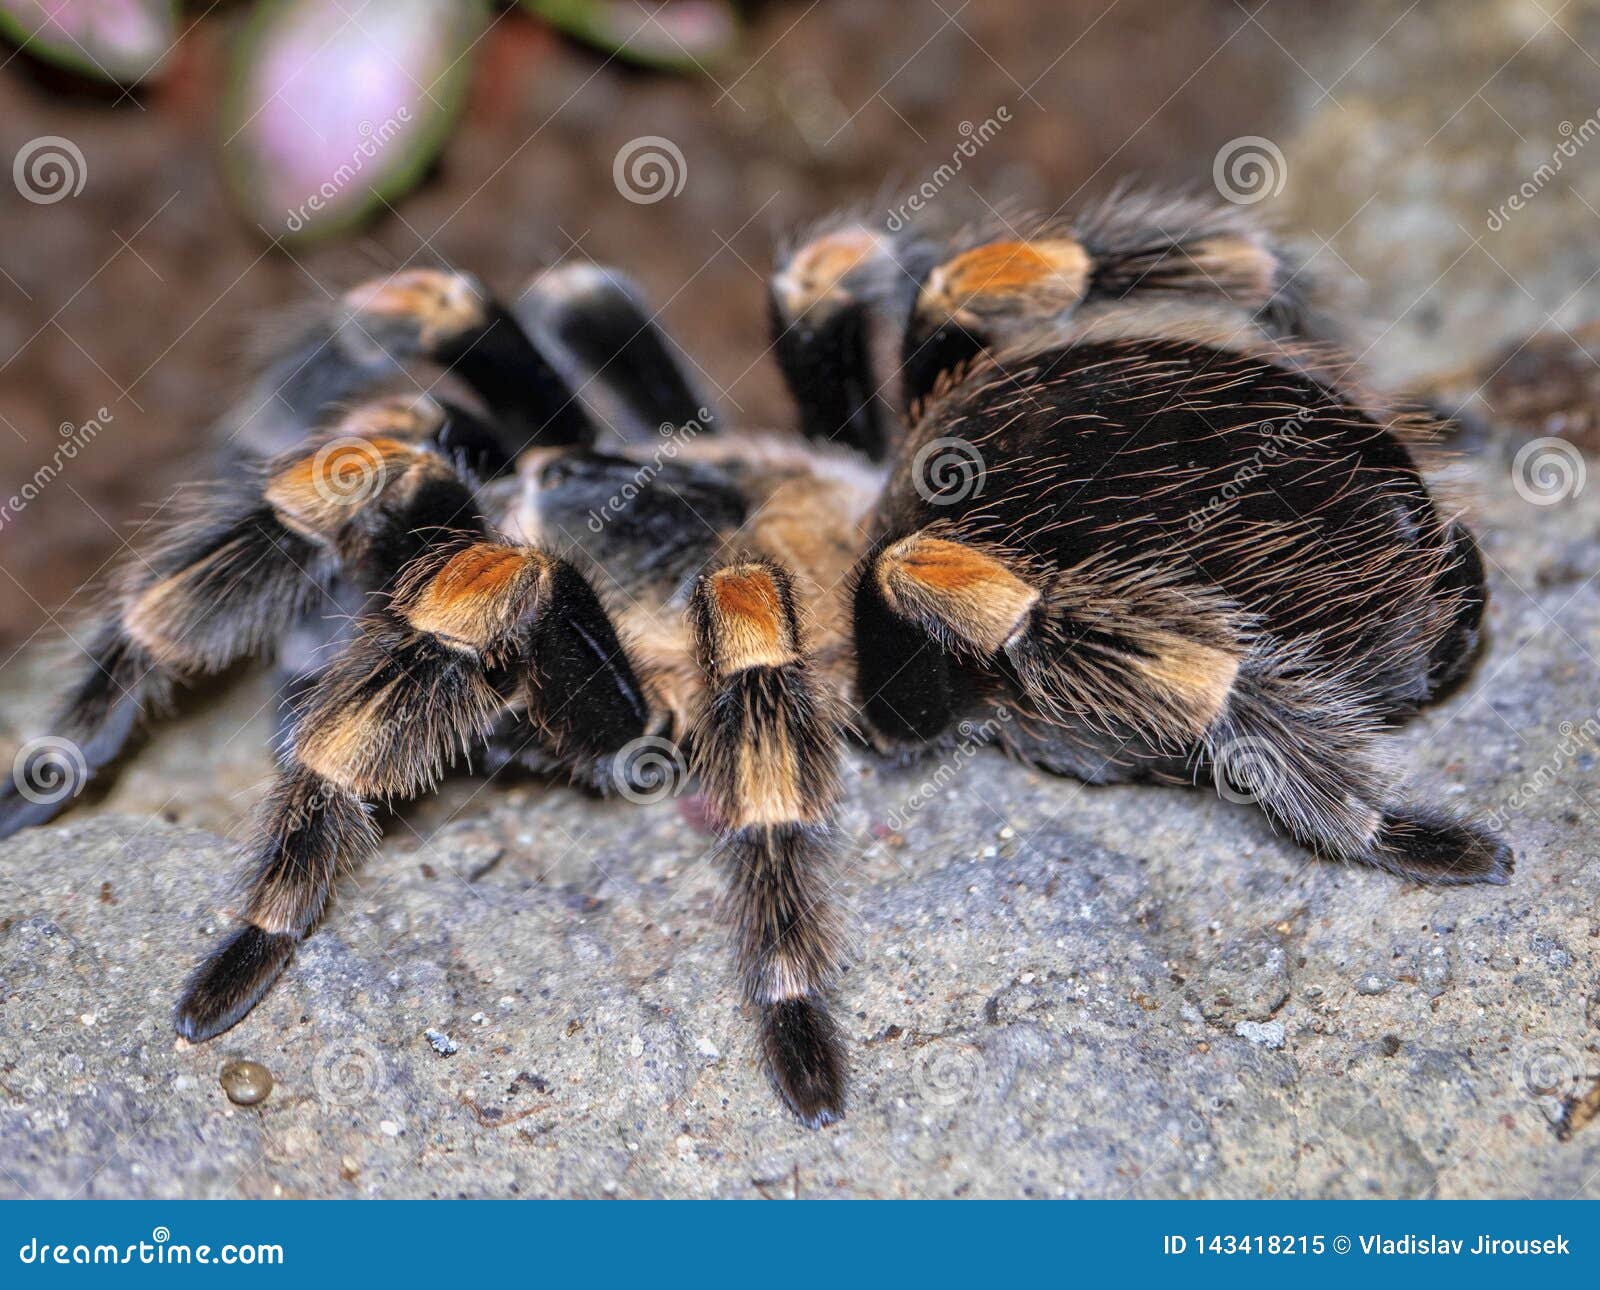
{"points": [[1122, 498]]}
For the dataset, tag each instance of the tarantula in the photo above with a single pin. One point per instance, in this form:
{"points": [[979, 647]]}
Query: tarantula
{"points": [[1179, 543]]}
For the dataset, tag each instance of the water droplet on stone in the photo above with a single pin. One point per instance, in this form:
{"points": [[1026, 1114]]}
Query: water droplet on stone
{"points": [[246, 1083]]}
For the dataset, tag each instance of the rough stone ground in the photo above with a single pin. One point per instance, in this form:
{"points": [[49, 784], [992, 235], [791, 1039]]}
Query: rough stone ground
{"points": [[1057, 990]]}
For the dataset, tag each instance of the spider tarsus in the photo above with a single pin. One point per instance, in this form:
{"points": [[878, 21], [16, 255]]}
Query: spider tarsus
{"points": [[1432, 847], [18, 812], [805, 1059], [231, 981]]}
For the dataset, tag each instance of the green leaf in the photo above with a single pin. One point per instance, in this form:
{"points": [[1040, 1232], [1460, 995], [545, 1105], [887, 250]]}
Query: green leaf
{"points": [[120, 41], [680, 36], [334, 110]]}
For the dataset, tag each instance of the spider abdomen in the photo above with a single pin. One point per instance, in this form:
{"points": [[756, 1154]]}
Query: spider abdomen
{"points": [[1245, 482]]}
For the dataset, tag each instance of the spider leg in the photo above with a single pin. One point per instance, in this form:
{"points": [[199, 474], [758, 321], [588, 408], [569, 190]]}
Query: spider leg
{"points": [[767, 753], [216, 589], [1173, 667], [593, 321], [926, 610], [1149, 244], [1308, 751], [1000, 289], [268, 554], [838, 306], [471, 629], [376, 330]]}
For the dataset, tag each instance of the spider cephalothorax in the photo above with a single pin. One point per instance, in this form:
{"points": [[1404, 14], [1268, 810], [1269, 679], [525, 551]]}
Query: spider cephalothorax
{"points": [[1133, 510]]}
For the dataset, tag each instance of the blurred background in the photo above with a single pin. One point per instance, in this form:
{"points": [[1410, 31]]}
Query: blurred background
{"points": [[151, 228]]}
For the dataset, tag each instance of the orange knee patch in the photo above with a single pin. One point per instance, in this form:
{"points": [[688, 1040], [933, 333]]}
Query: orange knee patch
{"points": [[960, 588], [1237, 266], [320, 492], [814, 273], [478, 595], [441, 304], [1051, 274], [750, 625], [409, 418]]}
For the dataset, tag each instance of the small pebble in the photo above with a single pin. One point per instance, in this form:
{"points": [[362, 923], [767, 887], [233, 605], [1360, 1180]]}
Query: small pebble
{"points": [[1373, 983], [1268, 1034], [246, 1083], [442, 1043]]}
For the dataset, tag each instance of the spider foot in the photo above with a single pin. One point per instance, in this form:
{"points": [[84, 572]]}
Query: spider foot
{"points": [[231, 981]]}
